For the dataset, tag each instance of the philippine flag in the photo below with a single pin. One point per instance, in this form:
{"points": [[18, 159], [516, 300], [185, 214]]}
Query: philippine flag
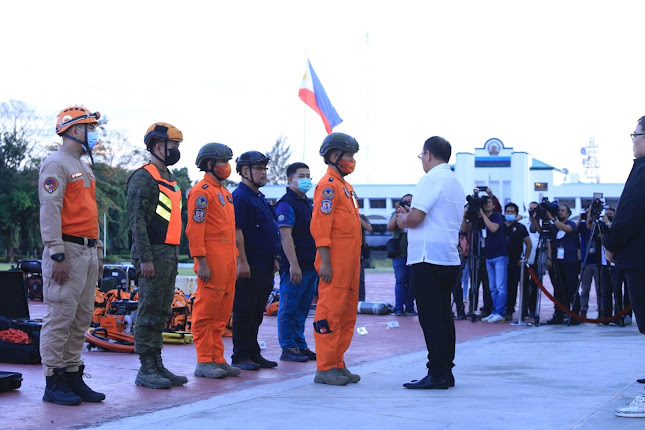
{"points": [[313, 94]]}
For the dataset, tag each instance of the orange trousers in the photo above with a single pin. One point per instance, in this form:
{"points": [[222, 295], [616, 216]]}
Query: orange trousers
{"points": [[337, 304], [213, 305]]}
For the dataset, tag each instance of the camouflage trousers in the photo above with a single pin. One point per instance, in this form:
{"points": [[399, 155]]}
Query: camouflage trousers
{"points": [[155, 301]]}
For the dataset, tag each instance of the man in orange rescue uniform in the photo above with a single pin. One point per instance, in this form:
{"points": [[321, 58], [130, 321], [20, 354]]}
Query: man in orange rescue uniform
{"points": [[72, 256], [336, 228], [211, 233]]}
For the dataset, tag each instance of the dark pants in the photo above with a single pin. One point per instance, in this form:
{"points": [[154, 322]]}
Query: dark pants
{"points": [[612, 291], [251, 295], [433, 285], [513, 278], [636, 281], [565, 287], [361, 282]]}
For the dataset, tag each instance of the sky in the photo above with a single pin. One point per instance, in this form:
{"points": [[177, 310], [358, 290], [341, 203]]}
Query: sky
{"points": [[544, 77]]}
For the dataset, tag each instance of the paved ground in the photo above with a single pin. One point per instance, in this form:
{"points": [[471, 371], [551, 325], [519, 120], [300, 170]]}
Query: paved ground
{"points": [[507, 376]]}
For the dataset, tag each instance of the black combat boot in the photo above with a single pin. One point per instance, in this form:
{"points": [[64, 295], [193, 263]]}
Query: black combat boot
{"points": [[176, 380], [80, 388], [57, 391], [148, 375]]}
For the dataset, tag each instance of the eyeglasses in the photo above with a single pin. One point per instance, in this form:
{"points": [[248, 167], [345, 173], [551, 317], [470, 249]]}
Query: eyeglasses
{"points": [[635, 135]]}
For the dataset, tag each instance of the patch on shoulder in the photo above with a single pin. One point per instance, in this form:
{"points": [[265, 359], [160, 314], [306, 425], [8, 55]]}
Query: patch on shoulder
{"points": [[205, 186], [230, 199], [199, 215], [221, 199], [331, 179], [325, 206], [201, 202], [50, 184], [328, 194], [281, 217]]}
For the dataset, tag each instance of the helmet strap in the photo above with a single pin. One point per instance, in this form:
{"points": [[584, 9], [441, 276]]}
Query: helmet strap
{"points": [[212, 172], [250, 179], [86, 147], [165, 149], [337, 165]]}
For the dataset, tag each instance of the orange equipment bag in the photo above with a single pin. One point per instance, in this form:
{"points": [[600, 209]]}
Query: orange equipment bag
{"points": [[177, 322]]}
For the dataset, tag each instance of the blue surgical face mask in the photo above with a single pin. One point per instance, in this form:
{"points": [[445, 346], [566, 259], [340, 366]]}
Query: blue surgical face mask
{"points": [[92, 139], [304, 185], [509, 218]]}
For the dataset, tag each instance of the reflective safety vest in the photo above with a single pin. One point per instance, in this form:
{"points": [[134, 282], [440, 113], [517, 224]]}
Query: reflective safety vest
{"points": [[165, 226]]}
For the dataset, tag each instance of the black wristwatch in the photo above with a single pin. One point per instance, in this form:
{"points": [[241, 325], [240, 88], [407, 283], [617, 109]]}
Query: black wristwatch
{"points": [[58, 257]]}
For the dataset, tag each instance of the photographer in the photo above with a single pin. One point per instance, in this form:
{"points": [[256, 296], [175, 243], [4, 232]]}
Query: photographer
{"points": [[593, 260], [566, 250], [403, 293], [517, 237]]}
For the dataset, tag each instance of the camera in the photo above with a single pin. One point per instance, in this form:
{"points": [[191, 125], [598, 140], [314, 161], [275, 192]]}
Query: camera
{"points": [[476, 202], [404, 203], [33, 274], [545, 207], [597, 205]]}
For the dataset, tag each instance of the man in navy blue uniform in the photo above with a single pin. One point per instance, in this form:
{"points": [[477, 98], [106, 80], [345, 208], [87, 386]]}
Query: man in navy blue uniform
{"points": [[298, 277], [258, 243], [565, 252]]}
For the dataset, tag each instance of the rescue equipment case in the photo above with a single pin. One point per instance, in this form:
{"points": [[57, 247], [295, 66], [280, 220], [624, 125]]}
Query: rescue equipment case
{"points": [[14, 313]]}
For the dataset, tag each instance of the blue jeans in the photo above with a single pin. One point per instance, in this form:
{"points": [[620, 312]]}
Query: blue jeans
{"points": [[295, 301], [403, 292], [465, 279], [497, 278]]}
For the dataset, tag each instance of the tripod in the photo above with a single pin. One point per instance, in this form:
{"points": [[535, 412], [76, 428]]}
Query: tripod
{"points": [[542, 256], [474, 262], [596, 228]]}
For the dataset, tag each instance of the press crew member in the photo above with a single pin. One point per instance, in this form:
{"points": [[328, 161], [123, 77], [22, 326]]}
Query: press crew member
{"points": [[298, 277], [72, 256], [154, 207], [258, 243], [517, 237], [211, 234], [336, 228], [625, 244], [566, 255], [593, 263]]}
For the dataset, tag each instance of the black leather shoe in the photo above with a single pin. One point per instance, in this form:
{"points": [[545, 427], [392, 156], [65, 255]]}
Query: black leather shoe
{"points": [[263, 362], [428, 383], [641, 381], [246, 365]]}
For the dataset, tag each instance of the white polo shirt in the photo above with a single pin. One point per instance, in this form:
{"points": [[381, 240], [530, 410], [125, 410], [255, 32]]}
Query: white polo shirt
{"points": [[440, 196]]}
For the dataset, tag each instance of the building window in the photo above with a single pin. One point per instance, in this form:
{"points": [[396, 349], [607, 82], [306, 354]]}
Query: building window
{"points": [[395, 201], [541, 186], [360, 203], [377, 203]]}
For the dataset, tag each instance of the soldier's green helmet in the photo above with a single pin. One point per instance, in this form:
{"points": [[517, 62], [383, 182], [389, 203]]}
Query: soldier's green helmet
{"points": [[341, 141], [212, 151]]}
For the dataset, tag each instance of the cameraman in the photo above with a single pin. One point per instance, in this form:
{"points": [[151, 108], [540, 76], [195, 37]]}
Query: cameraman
{"points": [[593, 260], [403, 292], [566, 250], [517, 237], [496, 257]]}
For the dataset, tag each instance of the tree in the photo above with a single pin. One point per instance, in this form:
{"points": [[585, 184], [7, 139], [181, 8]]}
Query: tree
{"points": [[279, 155], [21, 132], [115, 148]]}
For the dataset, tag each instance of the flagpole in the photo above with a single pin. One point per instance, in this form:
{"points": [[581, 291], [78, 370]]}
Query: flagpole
{"points": [[304, 132]]}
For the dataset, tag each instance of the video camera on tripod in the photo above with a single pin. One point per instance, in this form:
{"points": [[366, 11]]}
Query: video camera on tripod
{"points": [[475, 204], [540, 213], [597, 206]]}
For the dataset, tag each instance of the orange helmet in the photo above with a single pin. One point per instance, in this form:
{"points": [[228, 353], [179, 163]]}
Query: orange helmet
{"points": [[75, 115], [162, 131]]}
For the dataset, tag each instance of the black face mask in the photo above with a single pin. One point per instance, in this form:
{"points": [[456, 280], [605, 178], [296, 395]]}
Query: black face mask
{"points": [[172, 156], [610, 218]]}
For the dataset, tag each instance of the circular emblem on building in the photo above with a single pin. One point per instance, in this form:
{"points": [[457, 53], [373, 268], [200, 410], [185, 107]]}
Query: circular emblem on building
{"points": [[493, 146]]}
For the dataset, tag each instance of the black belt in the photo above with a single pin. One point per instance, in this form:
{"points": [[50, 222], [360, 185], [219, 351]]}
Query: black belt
{"points": [[91, 243]]}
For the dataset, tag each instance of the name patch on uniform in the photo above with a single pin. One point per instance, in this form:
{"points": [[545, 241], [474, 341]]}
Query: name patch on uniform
{"points": [[201, 202], [50, 184], [325, 206], [76, 175], [328, 194], [230, 199], [199, 215], [221, 199]]}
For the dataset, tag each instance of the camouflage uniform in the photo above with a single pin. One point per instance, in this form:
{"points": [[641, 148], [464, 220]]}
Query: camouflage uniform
{"points": [[156, 294]]}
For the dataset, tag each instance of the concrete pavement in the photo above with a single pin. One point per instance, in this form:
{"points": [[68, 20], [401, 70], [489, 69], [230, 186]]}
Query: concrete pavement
{"points": [[547, 377]]}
